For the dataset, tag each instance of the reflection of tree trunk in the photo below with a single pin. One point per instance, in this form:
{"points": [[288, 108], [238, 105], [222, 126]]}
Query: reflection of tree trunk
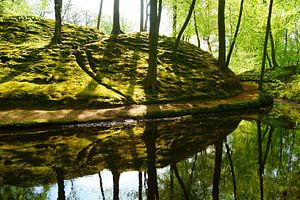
{"points": [[260, 160], [232, 170], [140, 185], [101, 186], [149, 138], [192, 173], [268, 145], [171, 183], [116, 178], [60, 182], [180, 181], [217, 170]]}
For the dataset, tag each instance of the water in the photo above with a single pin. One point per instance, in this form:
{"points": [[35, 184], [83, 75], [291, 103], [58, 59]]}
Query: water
{"points": [[193, 157]]}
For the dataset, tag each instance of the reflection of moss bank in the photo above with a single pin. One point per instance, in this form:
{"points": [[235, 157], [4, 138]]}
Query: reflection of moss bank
{"points": [[34, 74], [82, 151]]}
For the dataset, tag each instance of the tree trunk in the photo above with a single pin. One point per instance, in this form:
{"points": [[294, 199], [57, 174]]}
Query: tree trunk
{"points": [[260, 160], [174, 26], [116, 18], [235, 34], [57, 34], [217, 170], [99, 15], [232, 170], [183, 27], [140, 185], [159, 14], [221, 31], [196, 30], [179, 179], [262, 73], [273, 52], [147, 16], [142, 16], [151, 78]]}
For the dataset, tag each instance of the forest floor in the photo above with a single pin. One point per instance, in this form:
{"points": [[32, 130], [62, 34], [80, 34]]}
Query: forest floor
{"points": [[23, 116]]}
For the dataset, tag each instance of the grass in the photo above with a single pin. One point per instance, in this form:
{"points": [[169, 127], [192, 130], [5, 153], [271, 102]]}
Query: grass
{"points": [[34, 74]]}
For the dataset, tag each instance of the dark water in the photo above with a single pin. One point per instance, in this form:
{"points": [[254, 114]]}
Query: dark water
{"points": [[242, 156]]}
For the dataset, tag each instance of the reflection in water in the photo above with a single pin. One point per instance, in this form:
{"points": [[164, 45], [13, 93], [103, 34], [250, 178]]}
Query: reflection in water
{"points": [[182, 157]]}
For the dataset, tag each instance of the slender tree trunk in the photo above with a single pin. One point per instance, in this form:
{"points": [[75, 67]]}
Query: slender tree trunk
{"points": [[217, 170], [207, 39], [147, 16], [116, 18], [142, 16], [260, 160], [192, 173], [273, 52], [151, 78], [99, 15], [183, 27], [174, 17], [57, 34], [235, 34], [262, 73], [232, 170], [196, 30], [101, 186], [221, 30], [159, 13], [116, 187]]}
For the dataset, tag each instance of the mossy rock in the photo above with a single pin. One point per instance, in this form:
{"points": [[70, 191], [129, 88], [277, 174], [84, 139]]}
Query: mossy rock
{"points": [[36, 74]]}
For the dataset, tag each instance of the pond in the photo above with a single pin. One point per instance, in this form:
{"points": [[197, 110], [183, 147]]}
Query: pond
{"points": [[250, 155]]}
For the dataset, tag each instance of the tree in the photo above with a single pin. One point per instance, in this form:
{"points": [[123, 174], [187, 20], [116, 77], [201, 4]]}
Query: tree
{"points": [[221, 32], [99, 15], [151, 78], [142, 16], [116, 18], [184, 26], [57, 34], [268, 28]]}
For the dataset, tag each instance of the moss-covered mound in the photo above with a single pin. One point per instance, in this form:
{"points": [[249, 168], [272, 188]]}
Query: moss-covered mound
{"points": [[93, 70]]}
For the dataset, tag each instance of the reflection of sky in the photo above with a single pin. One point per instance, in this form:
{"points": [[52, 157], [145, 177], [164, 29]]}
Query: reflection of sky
{"points": [[88, 187]]}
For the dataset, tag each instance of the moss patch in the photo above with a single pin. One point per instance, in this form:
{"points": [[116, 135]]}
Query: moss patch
{"points": [[34, 74]]}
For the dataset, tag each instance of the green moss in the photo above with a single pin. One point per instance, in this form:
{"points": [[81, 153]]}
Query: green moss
{"points": [[34, 73]]}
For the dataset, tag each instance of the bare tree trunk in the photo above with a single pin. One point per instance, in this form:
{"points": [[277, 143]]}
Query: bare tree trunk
{"points": [[192, 173], [57, 34], [171, 196], [99, 15], [159, 13], [221, 31], [183, 27], [217, 170], [196, 30], [273, 52], [116, 18], [174, 18], [142, 16], [235, 34], [147, 16], [151, 78], [262, 73]]}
